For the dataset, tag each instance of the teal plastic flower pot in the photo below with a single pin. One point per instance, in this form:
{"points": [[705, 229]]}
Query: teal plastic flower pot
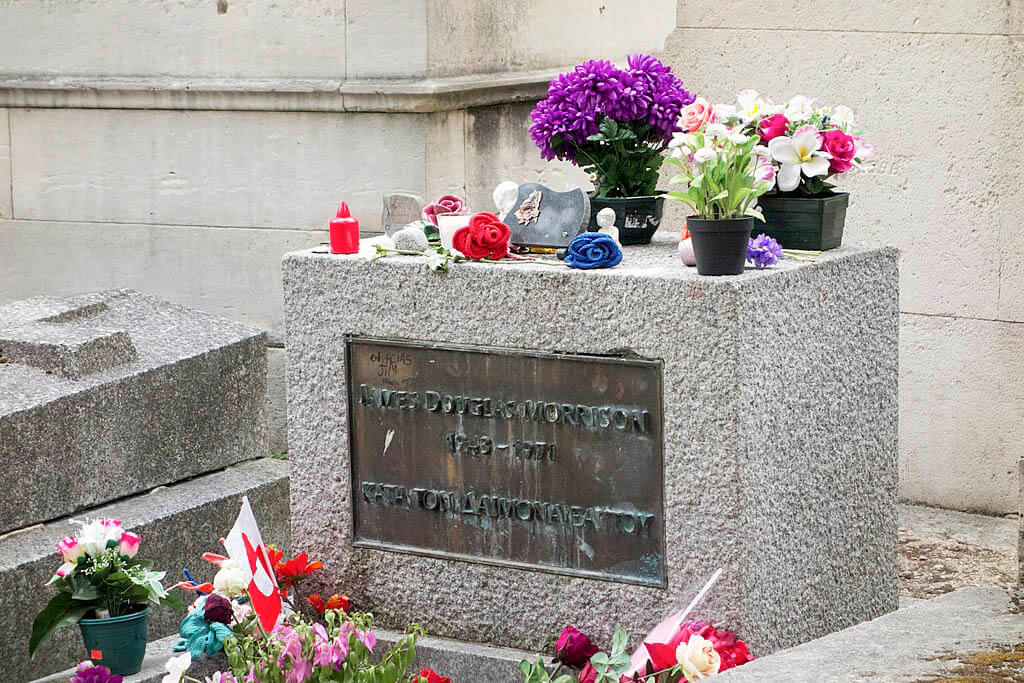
{"points": [[720, 245], [801, 222], [118, 643], [637, 218]]}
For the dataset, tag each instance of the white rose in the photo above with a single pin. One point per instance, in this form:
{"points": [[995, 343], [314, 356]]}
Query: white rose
{"points": [[230, 580], [698, 657]]}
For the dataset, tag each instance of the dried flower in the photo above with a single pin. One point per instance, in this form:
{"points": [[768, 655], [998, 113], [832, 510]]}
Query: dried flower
{"points": [[217, 608]]}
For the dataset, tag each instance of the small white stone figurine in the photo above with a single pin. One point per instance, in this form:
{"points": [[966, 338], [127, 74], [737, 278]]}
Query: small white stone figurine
{"points": [[505, 196], [606, 223]]}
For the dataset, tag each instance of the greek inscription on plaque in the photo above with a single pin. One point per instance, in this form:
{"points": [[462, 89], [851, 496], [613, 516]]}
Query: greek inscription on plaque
{"points": [[548, 462]]}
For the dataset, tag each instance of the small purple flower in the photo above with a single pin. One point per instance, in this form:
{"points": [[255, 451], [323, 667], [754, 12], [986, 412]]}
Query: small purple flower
{"points": [[763, 251], [87, 672]]}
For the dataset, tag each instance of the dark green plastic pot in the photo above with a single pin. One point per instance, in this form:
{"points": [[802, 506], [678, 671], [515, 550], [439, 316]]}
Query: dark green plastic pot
{"points": [[720, 245], [118, 643], [800, 222], [637, 218]]}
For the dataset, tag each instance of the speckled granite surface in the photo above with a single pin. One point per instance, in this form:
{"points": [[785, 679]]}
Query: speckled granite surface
{"points": [[780, 435], [107, 394]]}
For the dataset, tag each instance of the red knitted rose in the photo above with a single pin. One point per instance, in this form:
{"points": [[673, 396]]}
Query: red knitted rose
{"points": [[484, 237]]}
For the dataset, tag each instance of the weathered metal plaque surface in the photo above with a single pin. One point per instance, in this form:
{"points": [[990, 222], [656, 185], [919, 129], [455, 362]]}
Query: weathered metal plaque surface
{"points": [[536, 461]]}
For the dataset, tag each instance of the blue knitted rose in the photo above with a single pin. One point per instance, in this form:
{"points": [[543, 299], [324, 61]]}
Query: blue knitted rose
{"points": [[593, 250]]}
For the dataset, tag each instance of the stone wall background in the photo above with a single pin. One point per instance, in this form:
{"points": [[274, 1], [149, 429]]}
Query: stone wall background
{"points": [[181, 150]]}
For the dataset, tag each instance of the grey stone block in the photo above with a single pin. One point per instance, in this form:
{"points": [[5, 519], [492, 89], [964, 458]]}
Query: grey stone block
{"points": [[916, 643], [1020, 525], [177, 524], [136, 392], [400, 209], [779, 413]]}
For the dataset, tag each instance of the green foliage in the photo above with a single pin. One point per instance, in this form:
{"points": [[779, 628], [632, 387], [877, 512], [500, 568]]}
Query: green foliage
{"points": [[623, 163], [536, 672], [611, 665], [112, 582], [721, 187], [250, 649]]}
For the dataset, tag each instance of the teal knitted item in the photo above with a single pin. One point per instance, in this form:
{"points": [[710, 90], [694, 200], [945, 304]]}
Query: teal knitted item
{"points": [[199, 636]]}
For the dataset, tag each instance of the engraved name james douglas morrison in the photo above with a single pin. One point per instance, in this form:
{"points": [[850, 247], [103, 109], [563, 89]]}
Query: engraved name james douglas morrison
{"points": [[589, 417], [622, 418]]}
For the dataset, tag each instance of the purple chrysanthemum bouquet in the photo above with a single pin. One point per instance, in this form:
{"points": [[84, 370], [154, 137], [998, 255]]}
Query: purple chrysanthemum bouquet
{"points": [[614, 123]]}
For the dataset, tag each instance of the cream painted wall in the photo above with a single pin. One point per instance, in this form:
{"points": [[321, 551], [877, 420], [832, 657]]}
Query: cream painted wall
{"points": [[198, 205], [938, 88]]}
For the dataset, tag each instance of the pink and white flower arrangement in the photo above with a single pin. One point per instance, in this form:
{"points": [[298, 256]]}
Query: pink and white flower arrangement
{"points": [[100, 576], [806, 145]]}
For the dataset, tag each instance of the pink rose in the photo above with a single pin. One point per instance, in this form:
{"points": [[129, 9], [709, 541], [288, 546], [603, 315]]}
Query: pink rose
{"points": [[842, 148], [448, 203], [772, 127], [695, 115]]}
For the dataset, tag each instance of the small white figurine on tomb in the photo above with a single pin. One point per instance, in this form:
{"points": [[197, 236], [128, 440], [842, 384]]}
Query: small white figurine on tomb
{"points": [[505, 196], [606, 223]]}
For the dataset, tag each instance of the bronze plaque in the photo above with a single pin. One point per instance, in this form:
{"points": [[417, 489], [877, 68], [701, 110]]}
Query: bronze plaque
{"points": [[537, 461]]}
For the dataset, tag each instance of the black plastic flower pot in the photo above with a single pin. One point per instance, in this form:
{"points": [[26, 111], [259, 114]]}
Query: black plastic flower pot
{"points": [[801, 222], [637, 218], [720, 245]]}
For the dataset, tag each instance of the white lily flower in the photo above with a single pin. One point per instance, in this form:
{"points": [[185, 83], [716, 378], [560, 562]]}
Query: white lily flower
{"points": [[800, 153], [176, 668], [750, 104], [799, 108], [842, 116]]}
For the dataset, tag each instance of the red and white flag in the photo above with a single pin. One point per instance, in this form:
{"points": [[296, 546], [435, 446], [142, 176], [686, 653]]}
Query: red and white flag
{"points": [[245, 546]]}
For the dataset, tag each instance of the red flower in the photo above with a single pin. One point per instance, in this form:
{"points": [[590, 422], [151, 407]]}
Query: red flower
{"points": [[274, 555], [432, 677], [334, 602], [589, 674], [842, 148], [574, 647], [290, 572], [772, 127], [484, 237], [732, 651]]}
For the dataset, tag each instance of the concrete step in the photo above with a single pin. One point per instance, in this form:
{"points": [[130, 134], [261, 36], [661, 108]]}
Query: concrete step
{"points": [[928, 639], [177, 524]]}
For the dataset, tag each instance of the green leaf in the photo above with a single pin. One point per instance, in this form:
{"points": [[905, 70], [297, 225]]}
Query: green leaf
{"points": [[173, 600], [756, 213], [61, 611], [618, 641]]}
